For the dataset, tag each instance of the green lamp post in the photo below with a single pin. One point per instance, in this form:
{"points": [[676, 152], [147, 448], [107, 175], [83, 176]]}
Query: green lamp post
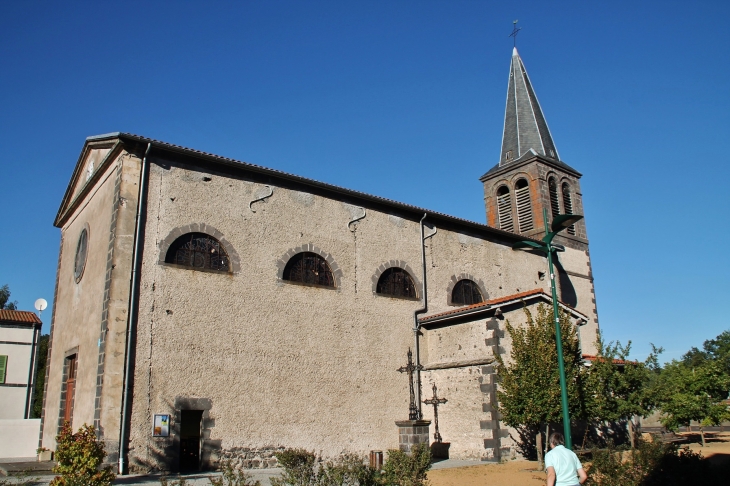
{"points": [[560, 222]]}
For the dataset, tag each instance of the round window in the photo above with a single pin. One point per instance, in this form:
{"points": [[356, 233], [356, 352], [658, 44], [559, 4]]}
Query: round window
{"points": [[81, 250]]}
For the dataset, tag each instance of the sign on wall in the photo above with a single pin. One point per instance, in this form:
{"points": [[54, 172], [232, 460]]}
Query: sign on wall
{"points": [[161, 426]]}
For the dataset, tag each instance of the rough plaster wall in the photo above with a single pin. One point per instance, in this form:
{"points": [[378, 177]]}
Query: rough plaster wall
{"points": [[79, 306], [284, 364]]}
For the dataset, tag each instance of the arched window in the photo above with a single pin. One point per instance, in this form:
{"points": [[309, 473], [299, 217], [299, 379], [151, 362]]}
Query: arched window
{"points": [[568, 205], [396, 282], [310, 269], [504, 209], [524, 205], [466, 292], [554, 200], [200, 251]]}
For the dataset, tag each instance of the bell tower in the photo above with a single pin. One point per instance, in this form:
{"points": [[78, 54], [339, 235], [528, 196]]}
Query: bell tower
{"points": [[530, 176]]}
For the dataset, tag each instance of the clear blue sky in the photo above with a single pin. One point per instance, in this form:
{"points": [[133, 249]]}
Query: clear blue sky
{"points": [[403, 100]]}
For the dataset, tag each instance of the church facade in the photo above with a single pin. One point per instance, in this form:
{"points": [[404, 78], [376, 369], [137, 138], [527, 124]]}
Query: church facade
{"points": [[209, 308]]}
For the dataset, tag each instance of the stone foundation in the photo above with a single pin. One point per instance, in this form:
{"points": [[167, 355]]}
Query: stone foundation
{"points": [[412, 432], [248, 458]]}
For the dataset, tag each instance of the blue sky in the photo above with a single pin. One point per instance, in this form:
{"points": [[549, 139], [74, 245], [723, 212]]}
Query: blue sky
{"points": [[403, 100]]}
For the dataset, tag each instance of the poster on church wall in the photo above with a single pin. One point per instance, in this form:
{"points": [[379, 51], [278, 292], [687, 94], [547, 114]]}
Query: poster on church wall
{"points": [[161, 426]]}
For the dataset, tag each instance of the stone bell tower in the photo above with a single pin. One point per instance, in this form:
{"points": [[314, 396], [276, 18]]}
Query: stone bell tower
{"points": [[530, 176]]}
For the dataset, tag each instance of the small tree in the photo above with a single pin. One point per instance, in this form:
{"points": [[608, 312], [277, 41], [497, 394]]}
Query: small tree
{"points": [[621, 391], [79, 457], [686, 393], [5, 299], [529, 394]]}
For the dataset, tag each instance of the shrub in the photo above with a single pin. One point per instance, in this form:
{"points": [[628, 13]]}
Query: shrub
{"points": [[233, 476], [298, 467], [79, 457], [402, 469], [652, 464], [175, 482], [347, 470]]}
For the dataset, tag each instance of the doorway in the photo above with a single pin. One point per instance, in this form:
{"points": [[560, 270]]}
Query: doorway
{"points": [[190, 422]]}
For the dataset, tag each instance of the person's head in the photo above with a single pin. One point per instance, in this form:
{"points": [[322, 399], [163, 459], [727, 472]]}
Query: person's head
{"points": [[556, 439]]}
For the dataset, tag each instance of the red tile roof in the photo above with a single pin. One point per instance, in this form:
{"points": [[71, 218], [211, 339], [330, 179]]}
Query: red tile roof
{"points": [[23, 317], [485, 305], [590, 357]]}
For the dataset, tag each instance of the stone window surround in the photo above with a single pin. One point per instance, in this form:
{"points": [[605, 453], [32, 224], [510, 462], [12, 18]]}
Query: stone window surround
{"points": [[310, 248], [465, 276], [200, 228], [79, 273], [64, 378], [403, 266]]}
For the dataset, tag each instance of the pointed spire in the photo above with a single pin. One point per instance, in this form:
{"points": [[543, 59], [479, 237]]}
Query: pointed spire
{"points": [[525, 128]]}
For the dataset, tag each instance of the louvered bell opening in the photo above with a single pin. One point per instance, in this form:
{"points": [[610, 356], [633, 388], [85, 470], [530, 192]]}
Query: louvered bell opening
{"points": [[524, 207], [568, 206], [504, 208], [554, 200]]}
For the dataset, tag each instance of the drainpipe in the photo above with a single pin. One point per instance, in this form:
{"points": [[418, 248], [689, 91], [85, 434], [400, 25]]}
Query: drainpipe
{"points": [[416, 325], [132, 318]]}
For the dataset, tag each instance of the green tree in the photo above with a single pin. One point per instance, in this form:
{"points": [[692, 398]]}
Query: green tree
{"points": [[40, 379], [717, 349], [529, 394], [5, 299], [620, 391], [686, 393]]}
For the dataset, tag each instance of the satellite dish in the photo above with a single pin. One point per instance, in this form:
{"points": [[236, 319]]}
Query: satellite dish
{"points": [[40, 305]]}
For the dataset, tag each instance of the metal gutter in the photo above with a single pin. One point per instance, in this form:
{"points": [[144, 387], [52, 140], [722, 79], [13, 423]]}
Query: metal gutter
{"points": [[132, 317]]}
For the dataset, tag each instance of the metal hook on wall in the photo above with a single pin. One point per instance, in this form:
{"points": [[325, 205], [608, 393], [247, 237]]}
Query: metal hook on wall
{"points": [[356, 219], [271, 192]]}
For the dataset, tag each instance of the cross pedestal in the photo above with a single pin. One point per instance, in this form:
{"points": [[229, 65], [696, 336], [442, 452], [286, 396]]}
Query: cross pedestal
{"points": [[411, 433]]}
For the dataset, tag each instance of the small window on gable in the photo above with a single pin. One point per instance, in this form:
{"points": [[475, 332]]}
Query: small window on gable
{"points": [[466, 292], [554, 200], [310, 269], [3, 367], [198, 251], [508, 155], [504, 209], [568, 204], [524, 205], [396, 282]]}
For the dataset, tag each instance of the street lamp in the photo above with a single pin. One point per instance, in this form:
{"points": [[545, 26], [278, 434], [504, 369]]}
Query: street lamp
{"points": [[560, 222]]}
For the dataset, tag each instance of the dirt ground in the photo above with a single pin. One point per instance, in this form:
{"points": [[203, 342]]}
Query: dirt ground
{"points": [[514, 473]]}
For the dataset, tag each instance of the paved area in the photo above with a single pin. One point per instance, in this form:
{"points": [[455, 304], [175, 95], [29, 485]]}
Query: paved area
{"points": [[41, 473]]}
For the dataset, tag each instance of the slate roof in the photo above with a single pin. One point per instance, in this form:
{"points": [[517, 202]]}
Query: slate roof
{"points": [[19, 317], [525, 127]]}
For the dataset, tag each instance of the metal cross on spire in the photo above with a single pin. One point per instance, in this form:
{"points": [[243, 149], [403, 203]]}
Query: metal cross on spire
{"points": [[515, 31], [410, 368], [436, 401]]}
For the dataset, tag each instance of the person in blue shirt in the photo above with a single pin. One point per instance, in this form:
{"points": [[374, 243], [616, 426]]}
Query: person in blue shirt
{"points": [[562, 465]]}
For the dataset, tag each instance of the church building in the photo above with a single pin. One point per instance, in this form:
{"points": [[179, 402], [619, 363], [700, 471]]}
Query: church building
{"points": [[209, 308]]}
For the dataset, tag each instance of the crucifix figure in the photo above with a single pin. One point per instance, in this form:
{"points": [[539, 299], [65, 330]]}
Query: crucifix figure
{"points": [[515, 30], [436, 401], [410, 368]]}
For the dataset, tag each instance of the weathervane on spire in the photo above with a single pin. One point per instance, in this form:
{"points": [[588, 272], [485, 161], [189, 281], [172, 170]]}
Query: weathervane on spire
{"points": [[515, 30]]}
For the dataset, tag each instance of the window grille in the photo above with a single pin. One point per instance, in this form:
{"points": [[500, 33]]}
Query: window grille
{"points": [[199, 251], [554, 200], [310, 269], [396, 282], [504, 209], [466, 292], [524, 209], [568, 205]]}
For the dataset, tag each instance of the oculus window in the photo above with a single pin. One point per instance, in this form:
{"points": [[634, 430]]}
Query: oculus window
{"points": [[81, 251], [198, 251]]}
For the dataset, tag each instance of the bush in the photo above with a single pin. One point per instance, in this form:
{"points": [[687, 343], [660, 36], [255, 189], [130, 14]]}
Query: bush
{"points": [[175, 482], [347, 470], [79, 457], [652, 464], [402, 469], [298, 467], [233, 476]]}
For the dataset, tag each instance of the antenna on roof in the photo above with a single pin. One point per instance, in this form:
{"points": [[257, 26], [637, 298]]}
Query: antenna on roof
{"points": [[515, 31], [40, 306]]}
